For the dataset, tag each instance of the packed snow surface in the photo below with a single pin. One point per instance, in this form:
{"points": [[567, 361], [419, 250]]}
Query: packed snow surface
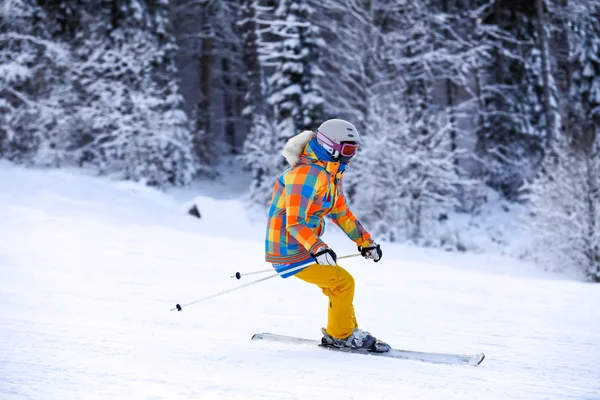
{"points": [[89, 269]]}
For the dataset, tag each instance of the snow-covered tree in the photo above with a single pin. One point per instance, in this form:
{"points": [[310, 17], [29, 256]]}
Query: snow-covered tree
{"points": [[292, 51], [585, 81], [565, 212], [289, 99], [211, 62], [565, 199], [259, 153], [93, 82], [408, 146], [137, 128], [261, 157], [512, 138], [350, 29], [253, 96], [36, 96], [407, 179]]}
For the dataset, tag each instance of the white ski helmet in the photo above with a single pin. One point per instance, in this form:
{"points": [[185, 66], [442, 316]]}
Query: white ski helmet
{"points": [[340, 138]]}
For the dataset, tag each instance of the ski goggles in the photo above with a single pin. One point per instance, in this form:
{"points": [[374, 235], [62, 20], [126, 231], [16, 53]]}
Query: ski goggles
{"points": [[345, 149]]}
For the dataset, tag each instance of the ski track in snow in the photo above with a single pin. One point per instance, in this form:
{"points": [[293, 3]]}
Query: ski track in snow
{"points": [[89, 269]]}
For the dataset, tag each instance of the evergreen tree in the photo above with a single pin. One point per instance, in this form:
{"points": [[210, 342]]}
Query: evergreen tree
{"points": [[293, 53], [513, 137], [36, 96], [288, 45], [211, 60], [585, 81], [260, 158], [412, 180], [409, 135], [565, 199], [137, 128], [349, 60], [565, 211], [262, 135], [253, 92], [105, 94]]}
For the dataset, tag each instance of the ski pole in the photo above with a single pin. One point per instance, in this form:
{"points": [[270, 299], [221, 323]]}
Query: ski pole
{"points": [[179, 307], [239, 275]]}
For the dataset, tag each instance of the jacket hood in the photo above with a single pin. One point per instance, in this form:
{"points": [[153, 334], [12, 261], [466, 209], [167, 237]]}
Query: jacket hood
{"points": [[295, 146], [305, 148]]}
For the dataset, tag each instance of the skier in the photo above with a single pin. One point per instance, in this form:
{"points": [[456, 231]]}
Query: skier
{"points": [[303, 194]]}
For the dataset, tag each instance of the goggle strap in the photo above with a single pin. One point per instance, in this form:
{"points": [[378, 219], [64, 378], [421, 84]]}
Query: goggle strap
{"points": [[329, 142]]}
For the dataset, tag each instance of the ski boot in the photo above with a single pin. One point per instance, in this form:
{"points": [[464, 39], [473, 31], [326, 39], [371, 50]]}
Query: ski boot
{"points": [[358, 340]]}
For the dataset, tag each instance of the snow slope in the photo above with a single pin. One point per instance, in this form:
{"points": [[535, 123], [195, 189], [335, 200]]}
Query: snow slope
{"points": [[89, 269]]}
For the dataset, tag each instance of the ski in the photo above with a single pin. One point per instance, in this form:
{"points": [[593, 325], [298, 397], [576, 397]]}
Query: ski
{"points": [[438, 358]]}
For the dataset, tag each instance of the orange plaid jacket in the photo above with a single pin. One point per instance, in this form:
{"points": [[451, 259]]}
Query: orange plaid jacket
{"points": [[302, 196]]}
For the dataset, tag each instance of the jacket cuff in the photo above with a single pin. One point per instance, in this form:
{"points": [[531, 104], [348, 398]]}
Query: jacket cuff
{"points": [[364, 241], [315, 246]]}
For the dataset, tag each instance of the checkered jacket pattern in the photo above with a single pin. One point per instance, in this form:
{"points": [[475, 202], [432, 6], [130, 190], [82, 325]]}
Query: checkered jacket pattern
{"points": [[302, 196]]}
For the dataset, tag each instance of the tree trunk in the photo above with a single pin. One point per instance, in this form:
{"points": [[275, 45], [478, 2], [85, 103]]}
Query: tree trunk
{"points": [[368, 77], [545, 72], [481, 137], [481, 146], [559, 46], [205, 72], [499, 56], [253, 102], [450, 103], [593, 198], [228, 94]]}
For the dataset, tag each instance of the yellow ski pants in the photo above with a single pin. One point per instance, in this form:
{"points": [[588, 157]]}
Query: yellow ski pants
{"points": [[337, 284]]}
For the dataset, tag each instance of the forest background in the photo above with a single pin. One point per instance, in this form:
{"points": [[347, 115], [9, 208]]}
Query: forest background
{"points": [[457, 102]]}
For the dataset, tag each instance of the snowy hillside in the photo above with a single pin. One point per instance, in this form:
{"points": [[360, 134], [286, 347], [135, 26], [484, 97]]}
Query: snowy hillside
{"points": [[89, 269]]}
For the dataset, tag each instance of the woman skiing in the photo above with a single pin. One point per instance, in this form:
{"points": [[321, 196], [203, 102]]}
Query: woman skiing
{"points": [[303, 194]]}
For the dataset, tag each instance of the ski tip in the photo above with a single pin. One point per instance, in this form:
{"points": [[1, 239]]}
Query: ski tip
{"points": [[479, 359]]}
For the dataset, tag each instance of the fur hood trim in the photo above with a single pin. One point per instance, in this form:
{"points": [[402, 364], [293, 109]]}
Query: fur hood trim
{"points": [[295, 146]]}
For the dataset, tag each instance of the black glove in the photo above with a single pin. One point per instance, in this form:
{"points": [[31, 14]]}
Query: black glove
{"points": [[325, 256], [372, 251]]}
